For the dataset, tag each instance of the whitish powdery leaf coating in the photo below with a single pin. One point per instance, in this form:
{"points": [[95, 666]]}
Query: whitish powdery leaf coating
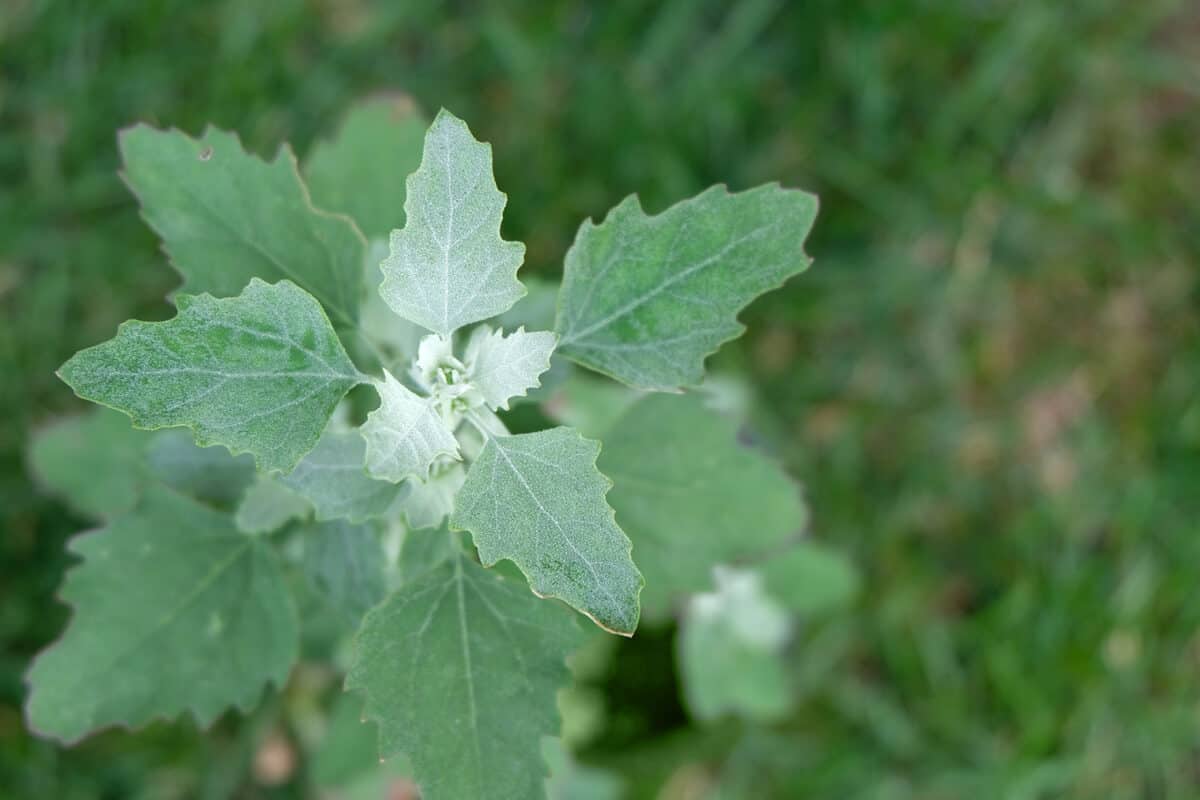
{"points": [[503, 367], [449, 267], [538, 499], [405, 434], [645, 299], [175, 611], [258, 373], [226, 216], [460, 669]]}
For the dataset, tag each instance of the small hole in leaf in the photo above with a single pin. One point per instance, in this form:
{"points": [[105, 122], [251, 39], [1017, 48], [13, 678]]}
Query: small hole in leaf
{"points": [[206, 154]]}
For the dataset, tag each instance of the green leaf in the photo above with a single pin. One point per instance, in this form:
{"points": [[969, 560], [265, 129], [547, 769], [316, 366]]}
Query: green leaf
{"points": [[210, 474], [332, 477], [690, 496], [432, 501], [94, 460], [347, 750], [258, 373], [810, 579], [535, 311], [345, 562], [426, 549], [396, 338], [268, 505], [503, 367], [449, 267], [226, 216], [645, 299], [405, 435], [730, 651], [538, 499], [460, 670], [590, 403], [174, 611], [361, 171]]}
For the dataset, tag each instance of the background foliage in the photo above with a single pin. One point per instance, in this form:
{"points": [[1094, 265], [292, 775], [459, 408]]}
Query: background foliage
{"points": [[987, 382]]}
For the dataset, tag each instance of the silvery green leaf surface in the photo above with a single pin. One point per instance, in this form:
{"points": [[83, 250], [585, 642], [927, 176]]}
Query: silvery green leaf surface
{"points": [[360, 171], [405, 435], [645, 299], [538, 499], [259, 373], [535, 311], [345, 561], [426, 549], [268, 505], [810, 578], [431, 501], [210, 474], [175, 611], [730, 650], [460, 669], [396, 338], [504, 367], [95, 461], [690, 495], [226, 216], [449, 266], [334, 479]]}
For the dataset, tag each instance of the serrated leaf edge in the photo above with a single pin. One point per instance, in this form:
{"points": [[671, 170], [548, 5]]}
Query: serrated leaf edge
{"points": [[250, 702], [590, 224], [612, 516], [200, 440], [284, 151]]}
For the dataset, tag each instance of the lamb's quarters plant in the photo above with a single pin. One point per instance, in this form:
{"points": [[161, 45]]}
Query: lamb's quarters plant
{"points": [[401, 508]]}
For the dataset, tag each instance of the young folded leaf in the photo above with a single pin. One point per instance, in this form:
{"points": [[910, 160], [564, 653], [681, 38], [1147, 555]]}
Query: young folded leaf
{"points": [[175, 610], [226, 216], [432, 501], [259, 373], [404, 435], [645, 299], [538, 499], [449, 267], [460, 669], [503, 367]]}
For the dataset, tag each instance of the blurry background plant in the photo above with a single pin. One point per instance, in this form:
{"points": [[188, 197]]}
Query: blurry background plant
{"points": [[987, 382]]}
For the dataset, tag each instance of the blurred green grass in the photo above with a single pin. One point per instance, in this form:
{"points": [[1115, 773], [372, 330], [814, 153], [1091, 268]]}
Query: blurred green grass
{"points": [[987, 382]]}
